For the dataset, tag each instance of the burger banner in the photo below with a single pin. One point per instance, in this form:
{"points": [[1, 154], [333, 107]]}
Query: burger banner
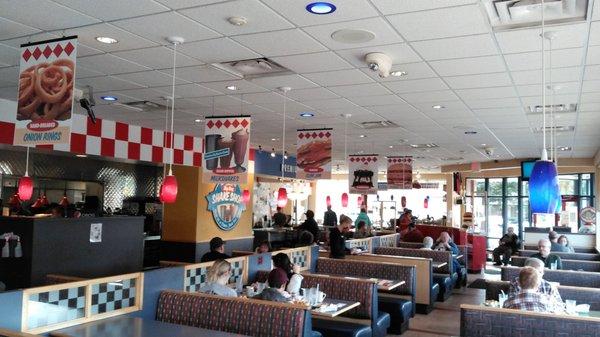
{"points": [[363, 173], [399, 172], [45, 99], [314, 154], [226, 149]]}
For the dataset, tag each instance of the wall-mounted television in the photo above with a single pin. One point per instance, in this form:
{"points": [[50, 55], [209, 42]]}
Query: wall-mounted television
{"points": [[526, 168]]}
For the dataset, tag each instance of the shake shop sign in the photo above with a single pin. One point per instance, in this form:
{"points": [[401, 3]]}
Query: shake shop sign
{"points": [[225, 203]]}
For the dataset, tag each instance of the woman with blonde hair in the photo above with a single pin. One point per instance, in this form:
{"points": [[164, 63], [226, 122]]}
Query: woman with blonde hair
{"points": [[217, 278]]}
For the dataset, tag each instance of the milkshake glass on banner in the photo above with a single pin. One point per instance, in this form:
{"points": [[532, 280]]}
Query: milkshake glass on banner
{"points": [[211, 142], [225, 161], [240, 137]]}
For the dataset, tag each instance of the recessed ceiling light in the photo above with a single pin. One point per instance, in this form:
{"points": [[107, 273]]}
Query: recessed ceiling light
{"points": [[362, 136], [198, 120], [109, 98], [273, 139], [232, 87], [391, 146], [398, 73], [437, 107], [106, 39], [307, 114], [564, 148], [352, 36], [320, 8], [81, 155], [237, 20]]}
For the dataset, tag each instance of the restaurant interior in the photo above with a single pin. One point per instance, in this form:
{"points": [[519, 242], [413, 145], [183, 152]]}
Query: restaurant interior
{"points": [[175, 168]]}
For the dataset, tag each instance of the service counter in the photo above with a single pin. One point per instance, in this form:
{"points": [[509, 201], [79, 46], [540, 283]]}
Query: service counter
{"points": [[86, 247]]}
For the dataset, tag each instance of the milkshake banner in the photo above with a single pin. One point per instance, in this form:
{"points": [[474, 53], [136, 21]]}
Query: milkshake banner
{"points": [[313, 156], [45, 99], [226, 149], [362, 177], [399, 173]]}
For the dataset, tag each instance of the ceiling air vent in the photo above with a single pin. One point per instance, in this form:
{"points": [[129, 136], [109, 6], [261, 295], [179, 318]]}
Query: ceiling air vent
{"points": [[252, 68], [509, 14], [377, 125], [424, 146], [558, 128], [557, 108], [452, 158]]}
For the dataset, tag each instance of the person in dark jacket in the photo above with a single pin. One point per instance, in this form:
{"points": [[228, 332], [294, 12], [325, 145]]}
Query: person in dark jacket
{"points": [[310, 225], [279, 218], [217, 251], [330, 218], [276, 291], [337, 242], [509, 244]]}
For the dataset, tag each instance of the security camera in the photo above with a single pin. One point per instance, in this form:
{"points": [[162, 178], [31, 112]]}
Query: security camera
{"points": [[489, 151], [86, 100], [379, 62]]}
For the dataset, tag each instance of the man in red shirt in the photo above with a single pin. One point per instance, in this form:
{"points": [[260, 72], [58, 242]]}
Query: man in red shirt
{"points": [[413, 234]]}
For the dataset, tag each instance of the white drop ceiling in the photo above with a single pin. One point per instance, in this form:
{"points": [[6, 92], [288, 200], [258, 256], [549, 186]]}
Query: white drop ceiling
{"points": [[484, 79]]}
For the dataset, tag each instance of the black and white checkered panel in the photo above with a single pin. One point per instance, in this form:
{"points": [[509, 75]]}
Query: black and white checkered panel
{"points": [[237, 271], [52, 307], [195, 279], [300, 258], [111, 296], [387, 241]]}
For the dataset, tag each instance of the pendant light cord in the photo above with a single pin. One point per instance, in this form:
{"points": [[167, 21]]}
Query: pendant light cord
{"points": [[544, 152], [345, 138], [27, 163], [173, 108], [552, 134], [166, 133], [283, 135]]}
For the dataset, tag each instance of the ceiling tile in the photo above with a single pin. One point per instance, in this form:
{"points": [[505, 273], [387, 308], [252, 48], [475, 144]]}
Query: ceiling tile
{"points": [[9, 56], [560, 59], [218, 50], [265, 97], [535, 89], [486, 93], [430, 96], [109, 64], [310, 63], [469, 66], [311, 94], [274, 82], [494, 103], [478, 81], [395, 6], [106, 83], [280, 43], [190, 91], [368, 101], [592, 73], [243, 87], [296, 12], [425, 84], [260, 18], [339, 77], [527, 40], [594, 39], [107, 10], [398, 52], [358, 90], [199, 74], [150, 78], [413, 71], [457, 47], [9, 77], [82, 72], [158, 27], [440, 23], [384, 33], [11, 29], [146, 94], [88, 34], [328, 104], [44, 14], [593, 55], [17, 42], [157, 57], [449, 108], [569, 74], [589, 86], [178, 4]]}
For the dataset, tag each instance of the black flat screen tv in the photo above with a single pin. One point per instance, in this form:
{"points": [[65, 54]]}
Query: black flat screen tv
{"points": [[526, 168]]}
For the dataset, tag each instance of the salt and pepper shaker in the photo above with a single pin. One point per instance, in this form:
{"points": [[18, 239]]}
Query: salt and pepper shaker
{"points": [[18, 249], [6, 248]]}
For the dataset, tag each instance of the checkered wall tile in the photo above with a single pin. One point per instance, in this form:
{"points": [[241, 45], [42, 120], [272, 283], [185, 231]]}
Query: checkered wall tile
{"points": [[237, 270], [387, 241], [54, 307], [300, 258], [356, 244], [195, 279], [111, 296]]}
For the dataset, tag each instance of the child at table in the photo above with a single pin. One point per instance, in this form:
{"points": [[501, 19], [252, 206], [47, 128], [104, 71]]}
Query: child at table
{"points": [[276, 290]]}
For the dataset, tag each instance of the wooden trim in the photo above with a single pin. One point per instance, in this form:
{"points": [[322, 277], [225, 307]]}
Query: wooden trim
{"points": [[9, 333], [166, 263], [528, 313]]}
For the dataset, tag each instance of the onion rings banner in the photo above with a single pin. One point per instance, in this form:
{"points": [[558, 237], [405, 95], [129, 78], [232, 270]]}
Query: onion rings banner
{"points": [[226, 146], [45, 101], [399, 172], [313, 156], [362, 177]]}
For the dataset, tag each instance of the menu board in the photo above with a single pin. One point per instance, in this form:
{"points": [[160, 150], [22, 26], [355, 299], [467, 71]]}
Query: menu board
{"points": [[45, 99], [313, 156], [362, 177], [399, 172], [226, 149]]}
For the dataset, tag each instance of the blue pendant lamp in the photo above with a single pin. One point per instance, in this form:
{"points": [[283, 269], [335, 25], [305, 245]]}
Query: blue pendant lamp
{"points": [[543, 183]]}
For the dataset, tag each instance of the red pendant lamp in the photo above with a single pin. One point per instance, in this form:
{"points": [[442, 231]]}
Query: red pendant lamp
{"points": [[168, 190], [426, 203], [26, 183], [344, 200], [282, 198], [328, 201], [245, 196], [403, 201]]}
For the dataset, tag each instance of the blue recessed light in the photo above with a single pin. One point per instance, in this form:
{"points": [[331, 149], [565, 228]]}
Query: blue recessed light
{"points": [[321, 8], [307, 114], [109, 98]]}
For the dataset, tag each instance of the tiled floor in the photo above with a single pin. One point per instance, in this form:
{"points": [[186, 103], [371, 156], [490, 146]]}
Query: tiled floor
{"points": [[444, 320]]}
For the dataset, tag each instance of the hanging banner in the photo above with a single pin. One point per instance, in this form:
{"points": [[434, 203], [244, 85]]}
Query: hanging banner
{"points": [[45, 99], [314, 154], [362, 177], [226, 204], [226, 146], [399, 173]]}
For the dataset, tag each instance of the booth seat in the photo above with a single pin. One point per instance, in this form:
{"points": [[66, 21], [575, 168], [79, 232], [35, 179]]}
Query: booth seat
{"points": [[399, 302], [480, 321], [567, 256], [592, 266], [237, 315], [465, 251], [564, 277]]}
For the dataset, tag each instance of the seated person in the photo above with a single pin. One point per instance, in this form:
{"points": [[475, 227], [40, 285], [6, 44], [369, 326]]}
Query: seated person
{"points": [[217, 251], [276, 291], [544, 255], [509, 244], [263, 247], [217, 278], [563, 240], [305, 239], [404, 219], [427, 243], [279, 218], [412, 234], [554, 245], [545, 287], [310, 225], [337, 241], [528, 298], [282, 261], [444, 243], [361, 231]]}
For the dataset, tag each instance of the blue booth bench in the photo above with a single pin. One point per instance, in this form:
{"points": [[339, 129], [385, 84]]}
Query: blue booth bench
{"points": [[564, 277], [568, 256]]}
